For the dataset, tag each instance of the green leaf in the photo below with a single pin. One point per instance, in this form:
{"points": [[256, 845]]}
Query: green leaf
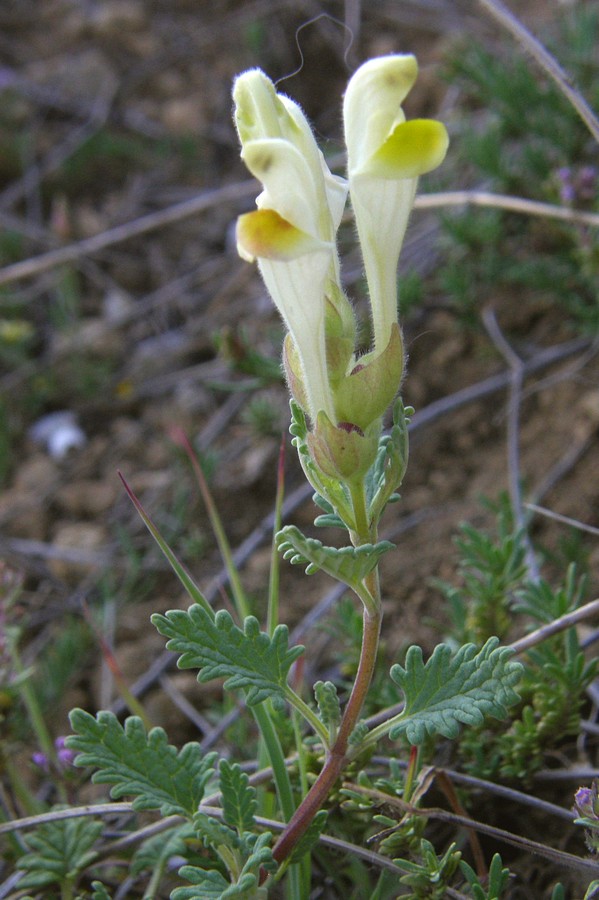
{"points": [[248, 659], [328, 703], [210, 885], [215, 833], [447, 691], [157, 850], [330, 518], [58, 851], [310, 836], [497, 880], [141, 765], [331, 490], [391, 462], [349, 565], [99, 891], [358, 734], [238, 797]]}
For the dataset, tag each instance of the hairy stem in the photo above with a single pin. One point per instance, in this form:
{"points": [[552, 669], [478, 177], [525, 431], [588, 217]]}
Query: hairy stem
{"points": [[337, 755]]}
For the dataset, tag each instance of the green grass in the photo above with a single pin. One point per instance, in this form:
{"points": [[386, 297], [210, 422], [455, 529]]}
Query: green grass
{"points": [[517, 137]]}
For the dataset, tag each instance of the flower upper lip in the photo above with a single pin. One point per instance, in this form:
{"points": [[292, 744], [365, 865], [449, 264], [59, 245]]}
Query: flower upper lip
{"points": [[279, 149], [385, 156], [290, 188], [292, 232]]}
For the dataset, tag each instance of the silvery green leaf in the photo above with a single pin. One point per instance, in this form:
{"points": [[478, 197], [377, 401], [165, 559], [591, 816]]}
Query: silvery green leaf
{"points": [[448, 691], [141, 764], [249, 658]]}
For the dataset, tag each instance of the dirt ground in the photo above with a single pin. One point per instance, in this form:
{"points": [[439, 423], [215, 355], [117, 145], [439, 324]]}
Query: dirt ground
{"points": [[117, 111]]}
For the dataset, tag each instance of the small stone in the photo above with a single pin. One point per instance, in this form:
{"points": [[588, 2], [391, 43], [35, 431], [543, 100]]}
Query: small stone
{"points": [[22, 515], [183, 115], [86, 498], [37, 474], [80, 548]]}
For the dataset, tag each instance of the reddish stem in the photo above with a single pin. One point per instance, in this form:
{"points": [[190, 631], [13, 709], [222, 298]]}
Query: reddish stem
{"points": [[336, 757]]}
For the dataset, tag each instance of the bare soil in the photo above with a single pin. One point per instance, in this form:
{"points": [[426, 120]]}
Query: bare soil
{"points": [[119, 109]]}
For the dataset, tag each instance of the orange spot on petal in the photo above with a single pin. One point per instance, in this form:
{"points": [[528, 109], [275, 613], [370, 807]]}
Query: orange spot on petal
{"points": [[266, 234]]}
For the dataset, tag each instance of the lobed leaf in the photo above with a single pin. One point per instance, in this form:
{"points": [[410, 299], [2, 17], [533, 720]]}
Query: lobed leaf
{"points": [[349, 565], [211, 885], [330, 519], [329, 706], [238, 797], [208, 884], [215, 833], [58, 851], [310, 836], [139, 764], [160, 848], [391, 462], [451, 690], [248, 658]]}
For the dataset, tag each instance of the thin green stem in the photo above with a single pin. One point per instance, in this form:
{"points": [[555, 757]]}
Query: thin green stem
{"points": [[156, 878], [358, 498], [282, 783], [272, 619], [277, 759], [308, 713], [177, 567], [374, 736], [239, 597], [337, 755], [304, 867], [33, 709], [37, 720]]}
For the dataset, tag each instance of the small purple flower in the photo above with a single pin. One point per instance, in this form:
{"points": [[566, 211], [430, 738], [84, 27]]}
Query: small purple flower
{"points": [[566, 186], [64, 755], [40, 760], [587, 802]]}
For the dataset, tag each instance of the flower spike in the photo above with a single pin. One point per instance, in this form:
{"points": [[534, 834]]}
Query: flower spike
{"points": [[292, 235]]}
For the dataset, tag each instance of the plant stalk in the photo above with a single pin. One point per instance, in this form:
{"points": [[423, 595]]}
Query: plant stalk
{"points": [[337, 755]]}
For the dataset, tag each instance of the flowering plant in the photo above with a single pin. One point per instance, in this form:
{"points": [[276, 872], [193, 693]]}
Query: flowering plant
{"points": [[339, 399]]}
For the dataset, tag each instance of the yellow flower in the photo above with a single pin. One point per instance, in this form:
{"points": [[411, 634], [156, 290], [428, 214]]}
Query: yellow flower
{"points": [[292, 233], [385, 156]]}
